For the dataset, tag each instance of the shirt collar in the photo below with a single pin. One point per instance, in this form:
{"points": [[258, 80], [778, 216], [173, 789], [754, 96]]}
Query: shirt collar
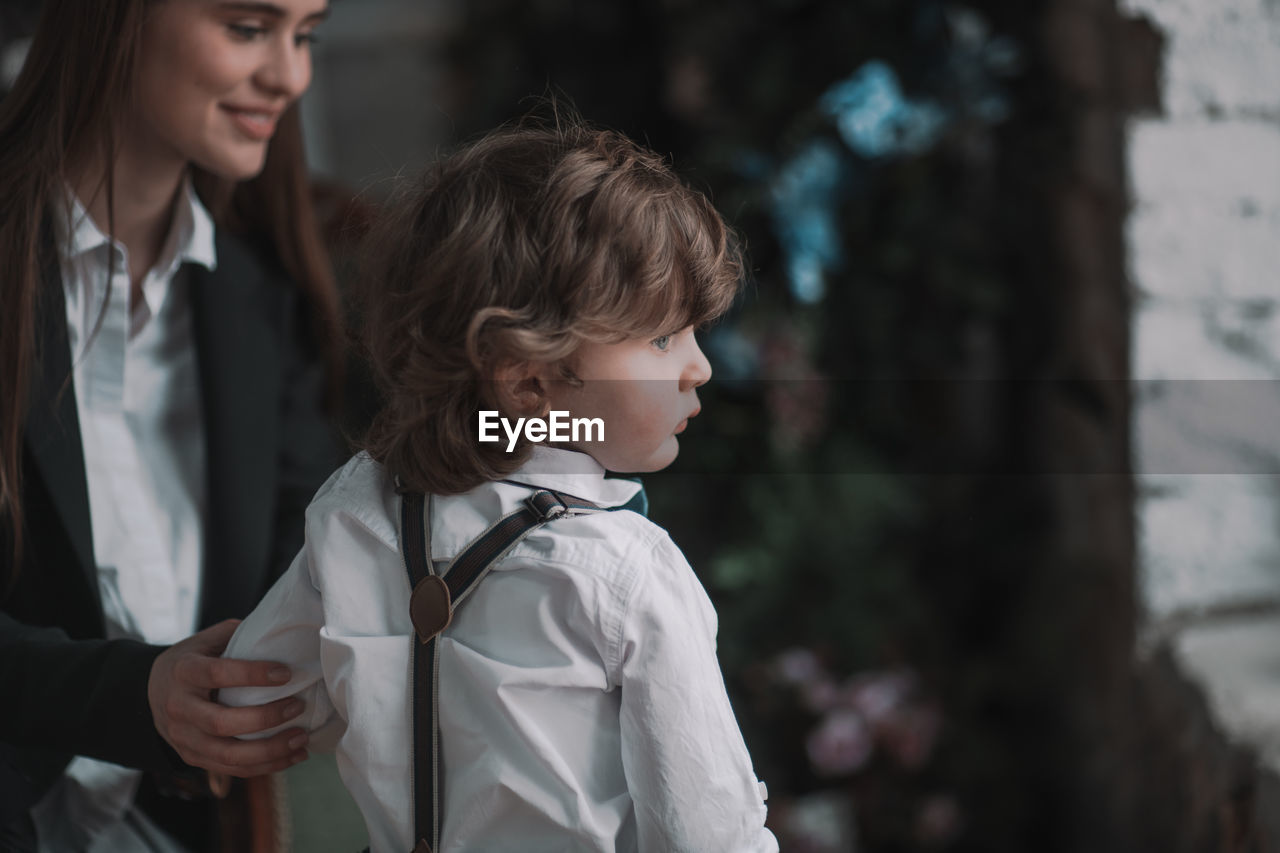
{"points": [[573, 473], [190, 239], [197, 244], [456, 520], [77, 232]]}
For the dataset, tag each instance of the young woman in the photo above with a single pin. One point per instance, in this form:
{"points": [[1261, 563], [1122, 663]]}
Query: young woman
{"points": [[168, 319]]}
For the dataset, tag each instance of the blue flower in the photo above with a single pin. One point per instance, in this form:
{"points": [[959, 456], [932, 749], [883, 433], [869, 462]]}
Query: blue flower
{"points": [[875, 120], [806, 201]]}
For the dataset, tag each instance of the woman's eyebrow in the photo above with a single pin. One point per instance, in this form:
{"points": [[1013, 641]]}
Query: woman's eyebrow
{"points": [[250, 7]]}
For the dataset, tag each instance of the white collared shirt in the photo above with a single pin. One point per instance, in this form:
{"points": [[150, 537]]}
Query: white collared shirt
{"points": [[581, 703], [138, 401]]}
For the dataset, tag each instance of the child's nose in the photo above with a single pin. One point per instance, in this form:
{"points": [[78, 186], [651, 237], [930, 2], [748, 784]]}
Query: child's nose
{"points": [[697, 371]]}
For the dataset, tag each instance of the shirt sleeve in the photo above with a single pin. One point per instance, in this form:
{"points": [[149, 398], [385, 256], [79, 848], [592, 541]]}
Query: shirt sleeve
{"points": [[285, 627], [686, 765]]}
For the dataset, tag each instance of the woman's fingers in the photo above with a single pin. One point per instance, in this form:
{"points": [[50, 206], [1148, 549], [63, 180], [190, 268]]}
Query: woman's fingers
{"points": [[211, 673], [183, 680], [241, 757], [222, 721]]}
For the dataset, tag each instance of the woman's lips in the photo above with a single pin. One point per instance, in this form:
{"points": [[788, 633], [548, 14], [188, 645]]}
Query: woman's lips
{"points": [[258, 125]]}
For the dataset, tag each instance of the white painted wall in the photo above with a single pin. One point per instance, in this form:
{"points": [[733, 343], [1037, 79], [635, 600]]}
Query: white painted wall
{"points": [[1204, 250]]}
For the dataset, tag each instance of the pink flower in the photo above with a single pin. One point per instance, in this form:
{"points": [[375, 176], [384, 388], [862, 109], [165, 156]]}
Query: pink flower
{"points": [[798, 666], [840, 744], [878, 695]]}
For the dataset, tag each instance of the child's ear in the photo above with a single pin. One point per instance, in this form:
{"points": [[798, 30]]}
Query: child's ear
{"points": [[521, 388]]}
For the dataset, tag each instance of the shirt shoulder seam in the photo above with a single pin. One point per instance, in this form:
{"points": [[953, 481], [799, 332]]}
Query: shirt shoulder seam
{"points": [[615, 647]]}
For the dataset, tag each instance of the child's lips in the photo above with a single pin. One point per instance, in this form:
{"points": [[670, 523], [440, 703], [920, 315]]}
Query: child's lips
{"points": [[685, 423]]}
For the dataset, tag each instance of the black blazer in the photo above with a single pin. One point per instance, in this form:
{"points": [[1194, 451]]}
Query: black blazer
{"points": [[64, 690]]}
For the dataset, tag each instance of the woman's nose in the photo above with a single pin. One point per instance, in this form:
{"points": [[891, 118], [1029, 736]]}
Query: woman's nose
{"points": [[287, 71]]}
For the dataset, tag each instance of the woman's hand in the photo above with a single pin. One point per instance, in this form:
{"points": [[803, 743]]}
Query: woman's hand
{"points": [[181, 690]]}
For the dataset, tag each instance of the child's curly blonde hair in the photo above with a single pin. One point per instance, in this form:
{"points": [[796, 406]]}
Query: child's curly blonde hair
{"points": [[518, 248]]}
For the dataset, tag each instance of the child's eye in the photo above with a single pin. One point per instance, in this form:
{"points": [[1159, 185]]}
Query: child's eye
{"points": [[305, 38], [661, 342], [246, 32]]}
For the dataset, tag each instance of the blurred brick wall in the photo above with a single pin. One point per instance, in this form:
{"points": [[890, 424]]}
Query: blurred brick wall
{"points": [[1204, 236]]}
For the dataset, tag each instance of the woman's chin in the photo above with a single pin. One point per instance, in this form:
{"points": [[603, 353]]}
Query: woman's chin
{"points": [[236, 166]]}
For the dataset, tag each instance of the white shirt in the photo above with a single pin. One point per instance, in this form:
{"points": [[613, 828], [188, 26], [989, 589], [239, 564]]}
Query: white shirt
{"points": [[138, 401], [581, 703]]}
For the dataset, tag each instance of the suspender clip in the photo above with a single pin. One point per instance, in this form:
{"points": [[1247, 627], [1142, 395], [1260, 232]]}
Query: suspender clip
{"points": [[547, 505]]}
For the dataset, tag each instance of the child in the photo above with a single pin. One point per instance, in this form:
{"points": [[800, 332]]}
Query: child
{"points": [[580, 703]]}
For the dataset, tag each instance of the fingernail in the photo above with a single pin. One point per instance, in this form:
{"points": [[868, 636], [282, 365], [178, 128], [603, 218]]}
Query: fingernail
{"points": [[293, 709], [279, 674], [297, 741]]}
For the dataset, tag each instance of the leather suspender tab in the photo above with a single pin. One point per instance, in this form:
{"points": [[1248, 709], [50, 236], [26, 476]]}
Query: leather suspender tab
{"points": [[430, 607]]}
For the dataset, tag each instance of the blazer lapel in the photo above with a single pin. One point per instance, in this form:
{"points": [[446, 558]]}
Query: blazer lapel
{"points": [[238, 358], [53, 427]]}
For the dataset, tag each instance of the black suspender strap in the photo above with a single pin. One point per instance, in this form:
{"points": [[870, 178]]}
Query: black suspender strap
{"points": [[415, 546], [431, 606]]}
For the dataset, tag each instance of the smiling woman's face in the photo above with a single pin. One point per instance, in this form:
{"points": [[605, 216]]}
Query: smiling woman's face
{"points": [[213, 77]]}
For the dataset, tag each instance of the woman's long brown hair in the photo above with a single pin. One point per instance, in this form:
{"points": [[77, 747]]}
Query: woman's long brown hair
{"points": [[76, 80]]}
